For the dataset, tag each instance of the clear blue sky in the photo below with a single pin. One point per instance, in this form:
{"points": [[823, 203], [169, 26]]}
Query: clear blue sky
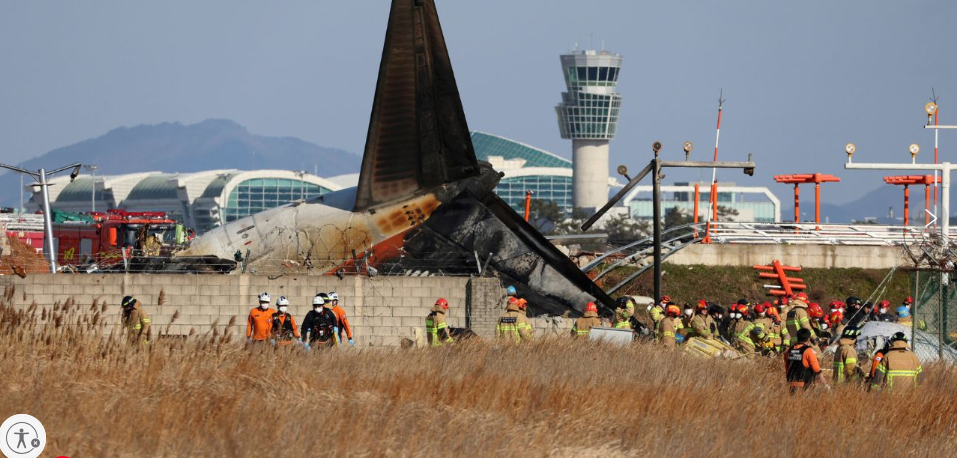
{"points": [[801, 78]]}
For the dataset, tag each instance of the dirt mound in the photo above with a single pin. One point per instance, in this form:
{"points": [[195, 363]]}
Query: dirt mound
{"points": [[22, 259]]}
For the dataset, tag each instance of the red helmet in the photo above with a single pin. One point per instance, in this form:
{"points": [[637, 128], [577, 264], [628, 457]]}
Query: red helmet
{"points": [[884, 304], [590, 307], [815, 310], [443, 303], [760, 308], [802, 297], [665, 299], [522, 304], [773, 312], [513, 300], [743, 309], [701, 305], [835, 305], [835, 317], [909, 300], [673, 310]]}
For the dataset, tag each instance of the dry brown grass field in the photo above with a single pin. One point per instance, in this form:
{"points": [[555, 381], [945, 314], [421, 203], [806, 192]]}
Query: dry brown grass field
{"points": [[99, 396]]}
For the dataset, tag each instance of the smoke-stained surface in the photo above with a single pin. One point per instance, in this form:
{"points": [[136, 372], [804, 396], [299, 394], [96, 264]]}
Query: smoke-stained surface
{"points": [[418, 137]]}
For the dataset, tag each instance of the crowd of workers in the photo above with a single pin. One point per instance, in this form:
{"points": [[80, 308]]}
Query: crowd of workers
{"points": [[325, 325], [750, 330]]}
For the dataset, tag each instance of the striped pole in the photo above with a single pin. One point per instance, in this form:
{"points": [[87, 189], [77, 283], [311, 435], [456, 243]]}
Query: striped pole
{"points": [[713, 196]]}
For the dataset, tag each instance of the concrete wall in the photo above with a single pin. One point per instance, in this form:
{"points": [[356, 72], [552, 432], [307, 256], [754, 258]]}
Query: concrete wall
{"points": [[815, 256], [382, 310]]}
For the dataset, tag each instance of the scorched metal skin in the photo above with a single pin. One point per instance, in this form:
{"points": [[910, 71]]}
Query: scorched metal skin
{"points": [[421, 195]]}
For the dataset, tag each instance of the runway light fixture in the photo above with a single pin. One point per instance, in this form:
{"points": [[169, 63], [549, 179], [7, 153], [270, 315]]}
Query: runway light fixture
{"points": [[930, 109], [656, 147], [849, 150], [687, 147], [624, 171], [913, 149]]}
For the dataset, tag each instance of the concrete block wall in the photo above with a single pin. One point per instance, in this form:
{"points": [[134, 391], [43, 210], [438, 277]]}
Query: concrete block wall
{"points": [[382, 310], [813, 256]]}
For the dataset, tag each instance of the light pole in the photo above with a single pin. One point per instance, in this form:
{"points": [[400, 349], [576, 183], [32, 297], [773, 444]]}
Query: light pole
{"points": [[656, 166], [41, 177], [300, 174], [92, 169], [946, 169]]}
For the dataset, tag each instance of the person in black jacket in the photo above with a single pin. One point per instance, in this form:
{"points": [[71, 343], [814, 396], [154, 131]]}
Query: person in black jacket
{"points": [[320, 326]]}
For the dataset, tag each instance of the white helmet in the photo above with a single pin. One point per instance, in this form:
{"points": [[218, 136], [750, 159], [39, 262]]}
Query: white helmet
{"points": [[318, 300], [265, 297], [282, 301], [333, 296]]}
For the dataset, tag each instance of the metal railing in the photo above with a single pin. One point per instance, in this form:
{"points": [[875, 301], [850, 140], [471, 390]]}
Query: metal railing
{"points": [[818, 234], [639, 253]]}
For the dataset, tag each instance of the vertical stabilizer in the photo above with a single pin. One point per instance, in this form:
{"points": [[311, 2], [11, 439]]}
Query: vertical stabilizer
{"points": [[418, 137]]}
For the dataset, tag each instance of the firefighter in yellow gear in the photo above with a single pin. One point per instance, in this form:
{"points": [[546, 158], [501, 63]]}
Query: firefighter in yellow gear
{"points": [[762, 330], [623, 313], [740, 329], [668, 325], [845, 365], [437, 331], [797, 317], [778, 334], [703, 326], [513, 324], [657, 311], [899, 368], [589, 320], [135, 320]]}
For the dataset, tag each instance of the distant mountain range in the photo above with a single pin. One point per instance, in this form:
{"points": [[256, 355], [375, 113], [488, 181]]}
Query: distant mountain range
{"points": [[175, 147]]}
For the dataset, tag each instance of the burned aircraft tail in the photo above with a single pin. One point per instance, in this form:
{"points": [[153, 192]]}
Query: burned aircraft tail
{"points": [[418, 142], [418, 138]]}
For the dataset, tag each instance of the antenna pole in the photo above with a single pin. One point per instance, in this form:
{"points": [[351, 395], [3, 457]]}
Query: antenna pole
{"points": [[713, 195], [935, 97]]}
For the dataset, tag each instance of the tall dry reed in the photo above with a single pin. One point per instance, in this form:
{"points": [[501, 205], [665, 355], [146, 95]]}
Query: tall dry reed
{"points": [[99, 395]]}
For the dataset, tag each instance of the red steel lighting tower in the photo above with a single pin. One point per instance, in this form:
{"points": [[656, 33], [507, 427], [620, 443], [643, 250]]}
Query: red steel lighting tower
{"points": [[906, 180], [817, 178]]}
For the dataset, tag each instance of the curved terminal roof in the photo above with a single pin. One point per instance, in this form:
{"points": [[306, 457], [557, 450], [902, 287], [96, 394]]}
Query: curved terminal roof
{"points": [[156, 187], [79, 190], [487, 145]]}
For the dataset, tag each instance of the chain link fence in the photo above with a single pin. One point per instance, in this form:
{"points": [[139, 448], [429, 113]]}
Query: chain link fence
{"points": [[935, 312]]}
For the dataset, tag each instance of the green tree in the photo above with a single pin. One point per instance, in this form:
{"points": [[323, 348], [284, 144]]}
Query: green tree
{"points": [[726, 213], [675, 216], [623, 229], [544, 214]]}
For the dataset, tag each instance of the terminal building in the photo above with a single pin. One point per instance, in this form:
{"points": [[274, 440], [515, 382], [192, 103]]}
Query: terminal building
{"points": [[205, 200], [753, 203], [200, 200], [527, 168]]}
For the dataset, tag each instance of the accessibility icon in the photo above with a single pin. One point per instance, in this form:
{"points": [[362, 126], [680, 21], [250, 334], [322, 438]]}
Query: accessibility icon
{"points": [[22, 437]]}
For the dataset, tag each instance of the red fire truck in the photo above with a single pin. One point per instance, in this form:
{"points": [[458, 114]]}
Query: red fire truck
{"points": [[110, 234], [99, 237]]}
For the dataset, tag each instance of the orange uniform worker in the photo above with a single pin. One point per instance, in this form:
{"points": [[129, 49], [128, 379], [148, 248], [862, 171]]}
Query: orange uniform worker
{"points": [[283, 328], [259, 324], [341, 317], [801, 364]]}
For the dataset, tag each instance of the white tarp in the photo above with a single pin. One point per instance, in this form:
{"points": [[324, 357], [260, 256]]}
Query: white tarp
{"points": [[876, 333]]}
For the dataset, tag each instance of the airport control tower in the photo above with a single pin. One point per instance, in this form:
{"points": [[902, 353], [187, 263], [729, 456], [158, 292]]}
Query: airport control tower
{"points": [[589, 114]]}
